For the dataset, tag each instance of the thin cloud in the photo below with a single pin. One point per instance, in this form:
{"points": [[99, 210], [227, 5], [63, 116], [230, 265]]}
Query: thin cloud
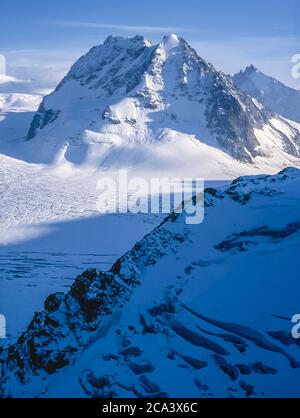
{"points": [[127, 28], [272, 55]]}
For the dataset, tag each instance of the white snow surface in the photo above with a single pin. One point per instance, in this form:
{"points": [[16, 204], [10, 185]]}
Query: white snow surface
{"points": [[124, 97], [275, 95], [214, 299], [38, 199]]}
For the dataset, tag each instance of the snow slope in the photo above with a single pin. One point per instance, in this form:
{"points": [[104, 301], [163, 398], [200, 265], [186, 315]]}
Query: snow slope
{"points": [[209, 306], [18, 102], [269, 91], [158, 111], [127, 95], [46, 257], [50, 230], [9, 85]]}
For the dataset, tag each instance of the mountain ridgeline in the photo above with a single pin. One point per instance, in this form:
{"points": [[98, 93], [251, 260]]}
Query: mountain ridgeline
{"points": [[208, 305], [128, 91]]}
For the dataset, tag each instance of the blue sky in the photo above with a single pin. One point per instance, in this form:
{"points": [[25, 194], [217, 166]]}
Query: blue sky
{"points": [[42, 39]]}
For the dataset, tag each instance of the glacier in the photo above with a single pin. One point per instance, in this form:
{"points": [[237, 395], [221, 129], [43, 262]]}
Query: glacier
{"points": [[210, 305]]}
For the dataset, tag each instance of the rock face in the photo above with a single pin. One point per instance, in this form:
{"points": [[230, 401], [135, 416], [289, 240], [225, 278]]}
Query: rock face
{"points": [[128, 91], [272, 93], [186, 302]]}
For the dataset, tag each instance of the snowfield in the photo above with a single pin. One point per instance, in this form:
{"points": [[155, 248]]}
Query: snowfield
{"points": [[55, 206], [207, 305], [162, 308]]}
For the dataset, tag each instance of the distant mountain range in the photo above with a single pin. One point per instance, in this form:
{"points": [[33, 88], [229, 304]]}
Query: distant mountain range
{"points": [[126, 96], [272, 93]]}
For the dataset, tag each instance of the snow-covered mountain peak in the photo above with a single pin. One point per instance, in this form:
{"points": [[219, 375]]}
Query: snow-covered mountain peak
{"points": [[130, 92], [119, 41], [252, 74], [271, 92], [171, 41], [250, 69], [166, 308]]}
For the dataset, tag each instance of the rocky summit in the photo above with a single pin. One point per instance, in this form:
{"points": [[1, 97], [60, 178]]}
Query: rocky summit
{"points": [[128, 93]]}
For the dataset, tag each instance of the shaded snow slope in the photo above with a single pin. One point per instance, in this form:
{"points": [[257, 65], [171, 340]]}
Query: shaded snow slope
{"points": [[209, 306], [127, 94], [32, 194]]}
